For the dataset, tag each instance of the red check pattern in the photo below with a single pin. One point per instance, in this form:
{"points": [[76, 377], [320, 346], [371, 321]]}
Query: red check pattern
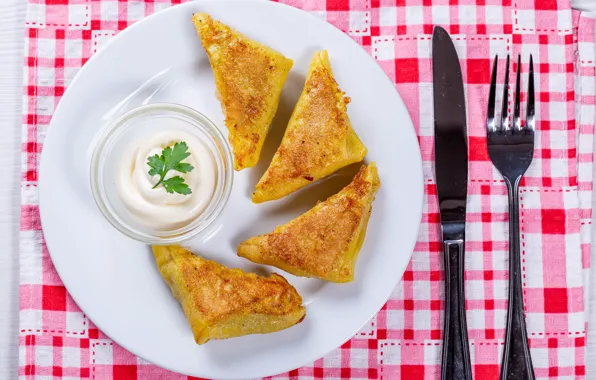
{"points": [[403, 341]]}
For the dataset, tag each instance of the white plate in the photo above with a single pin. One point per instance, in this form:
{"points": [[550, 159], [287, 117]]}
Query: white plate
{"points": [[114, 279]]}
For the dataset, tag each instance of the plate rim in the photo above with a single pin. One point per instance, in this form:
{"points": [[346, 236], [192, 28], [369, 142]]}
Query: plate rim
{"points": [[43, 162]]}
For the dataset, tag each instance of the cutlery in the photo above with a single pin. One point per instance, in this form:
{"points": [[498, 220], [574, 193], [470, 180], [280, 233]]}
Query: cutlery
{"points": [[510, 148], [451, 173]]}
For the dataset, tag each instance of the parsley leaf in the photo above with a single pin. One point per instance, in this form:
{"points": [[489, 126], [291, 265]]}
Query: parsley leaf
{"points": [[183, 167], [156, 165], [176, 185], [171, 159]]}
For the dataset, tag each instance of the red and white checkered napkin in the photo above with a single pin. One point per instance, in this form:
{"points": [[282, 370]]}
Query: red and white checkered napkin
{"points": [[404, 339]]}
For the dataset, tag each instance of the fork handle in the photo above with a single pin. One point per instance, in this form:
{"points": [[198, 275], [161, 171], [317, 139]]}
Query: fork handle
{"points": [[517, 362], [456, 353]]}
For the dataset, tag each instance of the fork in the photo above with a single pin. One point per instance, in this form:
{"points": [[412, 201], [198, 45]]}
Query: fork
{"points": [[510, 148]]}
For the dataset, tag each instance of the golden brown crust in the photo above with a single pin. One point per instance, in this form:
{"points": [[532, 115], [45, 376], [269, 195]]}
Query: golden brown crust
{"points": [[319, 138], [249, 77], [215, 298], [325, 241]]}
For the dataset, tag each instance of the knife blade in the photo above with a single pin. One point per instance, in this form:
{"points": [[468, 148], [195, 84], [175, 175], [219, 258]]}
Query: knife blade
{"points": [[451, 174]]}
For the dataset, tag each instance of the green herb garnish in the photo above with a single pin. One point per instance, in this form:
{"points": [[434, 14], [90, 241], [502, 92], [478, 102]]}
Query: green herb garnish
{"points": [[171, 159]]}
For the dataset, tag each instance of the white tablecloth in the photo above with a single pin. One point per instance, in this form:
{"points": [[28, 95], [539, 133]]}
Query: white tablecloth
{"points": [[12, 26], [12, 22]]}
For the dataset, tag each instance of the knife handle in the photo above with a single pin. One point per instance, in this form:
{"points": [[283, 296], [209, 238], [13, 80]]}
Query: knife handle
{"points": [[456, 352]]}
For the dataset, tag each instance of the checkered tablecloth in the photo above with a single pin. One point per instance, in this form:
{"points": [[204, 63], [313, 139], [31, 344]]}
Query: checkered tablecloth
{"points": [[403, 341]]}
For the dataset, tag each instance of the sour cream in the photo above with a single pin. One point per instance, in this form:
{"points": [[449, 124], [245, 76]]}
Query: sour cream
{"points": [[156, 208]]}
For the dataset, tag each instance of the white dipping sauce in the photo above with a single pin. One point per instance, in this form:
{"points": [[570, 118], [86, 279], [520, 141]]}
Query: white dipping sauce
{"points": [[156, 208]]}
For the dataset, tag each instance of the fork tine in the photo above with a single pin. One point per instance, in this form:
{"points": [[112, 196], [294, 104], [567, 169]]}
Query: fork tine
{"points": [[530, 106], [505, 105], [490, 114], [516, 110]]}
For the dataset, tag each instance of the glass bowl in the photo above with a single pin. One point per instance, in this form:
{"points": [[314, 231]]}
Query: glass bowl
{"points": [[139, 123]]}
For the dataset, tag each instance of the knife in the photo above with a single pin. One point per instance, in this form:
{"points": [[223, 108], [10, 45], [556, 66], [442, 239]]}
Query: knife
{"points": [[451, 173]]}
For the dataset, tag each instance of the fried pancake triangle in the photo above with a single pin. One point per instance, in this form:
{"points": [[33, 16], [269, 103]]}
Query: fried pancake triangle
{"points": [[222, 303], [319, 138], [249, 77], [325, 241]]}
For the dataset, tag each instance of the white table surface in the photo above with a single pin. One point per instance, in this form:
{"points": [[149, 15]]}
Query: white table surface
{"points": [[12, 23]]}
